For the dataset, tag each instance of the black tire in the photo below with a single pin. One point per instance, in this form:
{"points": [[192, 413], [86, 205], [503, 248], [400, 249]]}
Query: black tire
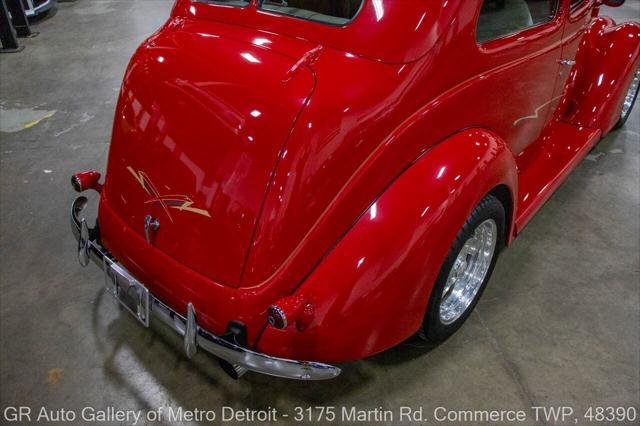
{"points": [[625, 117], [433, 329]]}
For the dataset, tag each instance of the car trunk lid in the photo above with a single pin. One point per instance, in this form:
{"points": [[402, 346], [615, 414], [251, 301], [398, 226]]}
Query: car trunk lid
{"points": [[204, 113]]}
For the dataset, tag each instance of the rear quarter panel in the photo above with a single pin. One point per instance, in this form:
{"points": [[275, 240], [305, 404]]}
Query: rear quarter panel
{"points": [[372, 289], [367, 121]]}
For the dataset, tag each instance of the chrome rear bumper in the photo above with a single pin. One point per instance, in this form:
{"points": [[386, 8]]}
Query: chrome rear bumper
{"points": [[242, 359]]}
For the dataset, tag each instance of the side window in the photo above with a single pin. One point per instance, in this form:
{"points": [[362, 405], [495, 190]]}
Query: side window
{"points": [[499, 18]]}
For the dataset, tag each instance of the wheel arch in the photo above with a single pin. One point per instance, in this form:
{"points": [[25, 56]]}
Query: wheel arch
{"points": [[506, 197], [371, 291]]}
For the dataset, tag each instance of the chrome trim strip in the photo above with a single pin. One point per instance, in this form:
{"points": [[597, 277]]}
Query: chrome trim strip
{"points": [[195, 336]]}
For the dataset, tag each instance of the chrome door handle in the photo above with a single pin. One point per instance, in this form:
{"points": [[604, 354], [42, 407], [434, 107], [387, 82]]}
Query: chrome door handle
{"points": [[568, 62]]}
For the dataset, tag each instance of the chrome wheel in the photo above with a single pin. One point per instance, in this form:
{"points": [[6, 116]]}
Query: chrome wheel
{"points": [[468, 272], [631, 95]]}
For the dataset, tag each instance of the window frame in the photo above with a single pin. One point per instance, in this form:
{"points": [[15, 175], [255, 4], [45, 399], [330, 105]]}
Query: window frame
{"points": [[222, 3], [260, 9], [486, 44]]}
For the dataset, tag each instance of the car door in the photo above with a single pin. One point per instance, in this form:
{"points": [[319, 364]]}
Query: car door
{"points": [[519, 45]]}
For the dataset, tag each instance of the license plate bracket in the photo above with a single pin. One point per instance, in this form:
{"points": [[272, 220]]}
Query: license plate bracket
{"points": [[126, 290]]}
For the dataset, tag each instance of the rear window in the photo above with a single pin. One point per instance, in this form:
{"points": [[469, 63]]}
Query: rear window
{"points": [[333, 12]]}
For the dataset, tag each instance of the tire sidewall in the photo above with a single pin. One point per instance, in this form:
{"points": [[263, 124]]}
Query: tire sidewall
{"points": [[489, 208], [624, 118]]}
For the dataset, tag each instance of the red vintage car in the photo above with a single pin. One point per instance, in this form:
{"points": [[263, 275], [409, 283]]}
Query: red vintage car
{"points": [[301, 182]]}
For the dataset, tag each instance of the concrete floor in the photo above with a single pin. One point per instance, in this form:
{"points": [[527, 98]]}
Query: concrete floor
{"points": [[558, 325]]}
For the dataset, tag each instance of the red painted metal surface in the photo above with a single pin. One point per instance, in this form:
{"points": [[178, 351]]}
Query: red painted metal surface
{"points": [[381, 31], [384, 117], [370, 291], [202, 119], [288, 158], [609, 56], [545, 165]]}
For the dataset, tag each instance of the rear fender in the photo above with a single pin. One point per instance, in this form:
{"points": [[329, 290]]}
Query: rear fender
{"points": [[606, 60], [371, 291]]}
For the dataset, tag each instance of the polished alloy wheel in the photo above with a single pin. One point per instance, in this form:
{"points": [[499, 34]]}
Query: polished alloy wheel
{"points": [[468, 272], [631, 94]]}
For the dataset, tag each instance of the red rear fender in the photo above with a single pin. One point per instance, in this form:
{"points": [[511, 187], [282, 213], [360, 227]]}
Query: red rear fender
{"points": [[606, 62], [371, 291]]}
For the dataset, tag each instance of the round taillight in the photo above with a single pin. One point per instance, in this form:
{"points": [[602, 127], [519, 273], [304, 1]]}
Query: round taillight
{"points": [[277, 318], [290, 310], [86, 180]]}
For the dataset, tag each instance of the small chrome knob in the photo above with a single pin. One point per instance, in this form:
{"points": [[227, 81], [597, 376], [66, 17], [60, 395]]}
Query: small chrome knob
{"points": [[151, 225]]}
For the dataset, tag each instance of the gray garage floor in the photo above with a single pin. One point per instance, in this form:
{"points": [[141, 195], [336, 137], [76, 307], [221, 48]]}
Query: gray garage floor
{"points": [[559, 324]]}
